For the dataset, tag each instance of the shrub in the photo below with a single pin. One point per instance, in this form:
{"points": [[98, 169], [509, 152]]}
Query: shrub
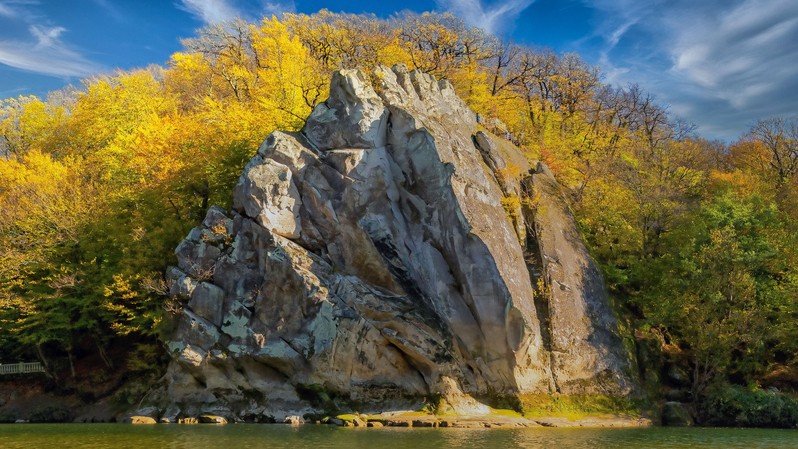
{"points": [[736, 406]]}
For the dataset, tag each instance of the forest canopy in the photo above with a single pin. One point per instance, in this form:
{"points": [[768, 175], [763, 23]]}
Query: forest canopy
{"points": [[698, 239]]}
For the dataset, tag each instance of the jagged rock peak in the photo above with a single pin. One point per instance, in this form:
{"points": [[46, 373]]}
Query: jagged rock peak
{"points": [[368, 260]]}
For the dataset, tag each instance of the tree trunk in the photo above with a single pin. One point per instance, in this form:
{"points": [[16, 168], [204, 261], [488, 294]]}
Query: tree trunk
{"points": [[47, 370], [104, 355], [71, 363]]}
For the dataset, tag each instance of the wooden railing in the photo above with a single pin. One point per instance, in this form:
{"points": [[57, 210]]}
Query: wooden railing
{"points": [[21, 368]]}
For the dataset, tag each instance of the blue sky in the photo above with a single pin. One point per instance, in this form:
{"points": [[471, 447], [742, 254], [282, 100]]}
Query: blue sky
{"points": [[722, 64]]}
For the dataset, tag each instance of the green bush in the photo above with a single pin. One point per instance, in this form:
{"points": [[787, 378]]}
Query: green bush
{"points": [[735, 406]]}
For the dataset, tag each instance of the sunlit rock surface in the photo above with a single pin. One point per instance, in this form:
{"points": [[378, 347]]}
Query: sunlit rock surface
{"points": [[368, 261]]}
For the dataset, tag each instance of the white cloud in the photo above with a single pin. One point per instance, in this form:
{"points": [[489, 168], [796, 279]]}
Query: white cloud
{"points": [[43, 51], [46, 37], [14, 9], [111, 10], [215, 11], [14, 92], [618, 17], [722, 63], [734, 52], [46, 54], [492, 17], [276, 8], [211, 11], [6, 11]]}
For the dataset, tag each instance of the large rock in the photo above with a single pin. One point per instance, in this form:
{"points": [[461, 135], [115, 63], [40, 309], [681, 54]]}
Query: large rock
{"points": [[586, 352], [369, 260], [142, 420], [267, 193], [353, 117]]}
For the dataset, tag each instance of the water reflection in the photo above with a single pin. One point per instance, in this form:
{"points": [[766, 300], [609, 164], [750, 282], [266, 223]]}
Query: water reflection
{"points": [[120, 436]]}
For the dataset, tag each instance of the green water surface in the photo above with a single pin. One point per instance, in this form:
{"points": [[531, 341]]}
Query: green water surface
{"points": [[120, 436]]}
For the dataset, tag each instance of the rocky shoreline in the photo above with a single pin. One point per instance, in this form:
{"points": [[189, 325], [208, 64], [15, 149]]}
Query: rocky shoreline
{"points": [[416, 420]]}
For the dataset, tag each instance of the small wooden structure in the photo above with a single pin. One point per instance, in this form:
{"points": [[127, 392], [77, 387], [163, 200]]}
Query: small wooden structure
{"points": [[21, 368]]}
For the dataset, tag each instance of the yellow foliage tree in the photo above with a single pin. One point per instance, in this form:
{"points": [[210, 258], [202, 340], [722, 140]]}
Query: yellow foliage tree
{"points": [[292, 83]]}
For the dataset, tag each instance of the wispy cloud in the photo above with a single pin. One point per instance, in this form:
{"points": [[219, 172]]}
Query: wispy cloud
{"points": [[45, 53], [6, 11], [276, 8], [15, 9], [742, 52], [721, 63], [42, 50], [491, 16], [111, 10], [13, 92], [46, 37], [215, 11], [210, 11]]}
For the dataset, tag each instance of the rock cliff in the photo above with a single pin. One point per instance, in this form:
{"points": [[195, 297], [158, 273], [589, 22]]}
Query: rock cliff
{"points": [[370, 260]]}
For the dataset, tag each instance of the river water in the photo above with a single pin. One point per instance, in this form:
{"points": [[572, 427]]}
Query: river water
{"points": [[233, 436]]}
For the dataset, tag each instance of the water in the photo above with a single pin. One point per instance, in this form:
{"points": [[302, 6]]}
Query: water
{"points": [[121, 436]]}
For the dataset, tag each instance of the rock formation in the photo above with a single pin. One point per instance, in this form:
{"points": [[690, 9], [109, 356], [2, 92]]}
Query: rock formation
{"points": [[370, 259]]}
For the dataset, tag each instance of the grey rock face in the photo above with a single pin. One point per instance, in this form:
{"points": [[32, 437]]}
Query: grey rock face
{"points": [[585, 350], [369, 260], [267, 193], [353, 116]]}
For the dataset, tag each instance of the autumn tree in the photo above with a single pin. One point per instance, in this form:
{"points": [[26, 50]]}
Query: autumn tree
{"points": [[99, 184], [439, 44], [779, 136], [348, 41], [27, 122]]}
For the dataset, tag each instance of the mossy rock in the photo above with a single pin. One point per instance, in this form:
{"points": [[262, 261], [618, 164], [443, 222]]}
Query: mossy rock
{"points": [[577, 406]]}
